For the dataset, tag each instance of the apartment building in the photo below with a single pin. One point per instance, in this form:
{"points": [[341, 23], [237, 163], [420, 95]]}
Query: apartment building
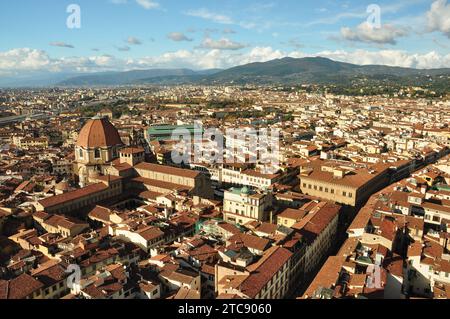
{"points": [[427, 268], [343, 182], [313, 238], [146, 237], [243, 205], [241, 175], [27, 143], [268, 278], [107, 187], [362, 271], [57, 224], [170, 177], [53, 275]]}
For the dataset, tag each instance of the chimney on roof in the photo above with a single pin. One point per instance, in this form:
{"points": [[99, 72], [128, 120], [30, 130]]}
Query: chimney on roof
{"points": [[423, 189], [338, 173]]}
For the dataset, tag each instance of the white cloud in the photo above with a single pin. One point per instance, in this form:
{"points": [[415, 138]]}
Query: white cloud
{"points": [[224, 59], [365, 32], [400, 58], [222, 44], [178, 37], [258, 24], [438, 18], [208, 15], [360, 12], [337, 17], [148, 4], [25, 60], [262, 54]]}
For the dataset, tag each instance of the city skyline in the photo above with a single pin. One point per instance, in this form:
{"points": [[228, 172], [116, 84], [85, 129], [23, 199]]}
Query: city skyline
{"points": [[228, 152], [119, 35]]}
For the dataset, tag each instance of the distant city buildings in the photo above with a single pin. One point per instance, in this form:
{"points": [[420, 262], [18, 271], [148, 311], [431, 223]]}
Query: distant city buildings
{"points": [[357, 205]]}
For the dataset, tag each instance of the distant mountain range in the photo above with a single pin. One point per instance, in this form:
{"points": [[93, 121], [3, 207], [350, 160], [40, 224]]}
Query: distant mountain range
{"points": [[314, 70], [133, 77]]}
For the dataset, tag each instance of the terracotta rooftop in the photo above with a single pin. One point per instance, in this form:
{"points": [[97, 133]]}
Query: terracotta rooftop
{"points": [[295, 214], [327, 276], [151, 233], [98, 132], [250, 241], [316, 222], [77, 194], [264, 270], [19, 287], [132, 150], [167, 170], [356, 177]]}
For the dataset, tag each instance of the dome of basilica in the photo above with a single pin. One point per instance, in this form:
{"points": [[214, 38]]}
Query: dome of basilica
{"points": [[98, 132]]}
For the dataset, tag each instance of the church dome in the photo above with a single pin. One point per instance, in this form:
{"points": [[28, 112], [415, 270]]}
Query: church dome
{"points": [[98, 132]]}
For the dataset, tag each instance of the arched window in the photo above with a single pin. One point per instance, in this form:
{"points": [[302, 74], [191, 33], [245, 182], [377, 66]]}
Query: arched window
{"points": [[81, 153], [97, 153]]}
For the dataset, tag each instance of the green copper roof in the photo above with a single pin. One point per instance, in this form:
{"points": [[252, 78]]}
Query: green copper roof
{"points": [[163, 132], [239, 191]]}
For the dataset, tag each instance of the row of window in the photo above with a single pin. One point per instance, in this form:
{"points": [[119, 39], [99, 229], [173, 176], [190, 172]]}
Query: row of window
{"points": [[86, 202], [53, 288], [254, 180], [327, 190], [97, 153], [435, 218]]}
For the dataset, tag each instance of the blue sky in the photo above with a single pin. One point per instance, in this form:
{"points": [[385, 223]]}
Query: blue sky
{"points": [[201, 34]]}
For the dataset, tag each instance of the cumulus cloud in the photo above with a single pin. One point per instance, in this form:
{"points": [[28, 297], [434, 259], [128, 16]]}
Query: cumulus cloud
{"points": [[262, 54], [134, 41], [25, 60], [221, 44], [61, 45], [438, 17], [178, 37], [365, 32], [400, 58], [148, 4]]}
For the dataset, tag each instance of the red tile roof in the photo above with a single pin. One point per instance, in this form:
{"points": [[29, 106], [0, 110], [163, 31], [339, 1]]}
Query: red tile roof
{"points": [[167, 170], [98, 133], [77, 194], [19, 288], [327, 276], [250, 241], [264, 270]]}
